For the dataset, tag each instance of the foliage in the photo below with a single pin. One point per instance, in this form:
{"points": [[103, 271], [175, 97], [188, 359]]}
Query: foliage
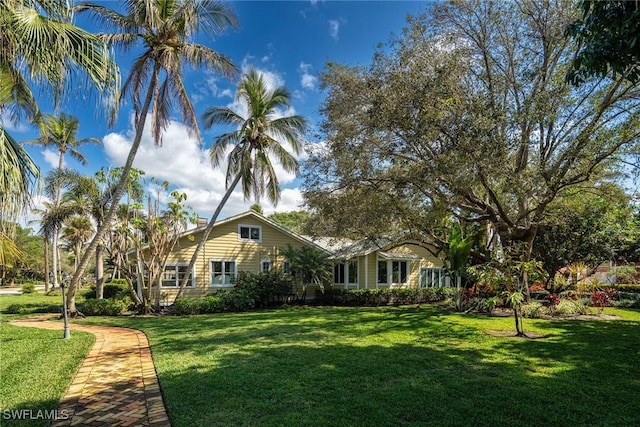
{"points": [[294, 220], [105, 307], [166, 31], [259, 138], [265, 288], [383, 296], [309, 267], [466, 116], [203, 305], [588, 225], [116, 289], [609, 40], [28, 288], [569, 308], [625, 274], [533, 310]]}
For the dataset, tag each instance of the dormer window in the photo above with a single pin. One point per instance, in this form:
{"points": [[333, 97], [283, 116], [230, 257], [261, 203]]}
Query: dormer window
{"points": [[250, 233]]}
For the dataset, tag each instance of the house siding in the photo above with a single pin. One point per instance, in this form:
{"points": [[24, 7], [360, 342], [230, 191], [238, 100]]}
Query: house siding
{"points": [[224, 244]]}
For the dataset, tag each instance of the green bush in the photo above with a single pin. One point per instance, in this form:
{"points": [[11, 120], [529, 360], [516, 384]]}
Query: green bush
{"points": [[627, 288], [383, 296], [104, 307], [266, 288], [533, 310], [208, 304], [28, 288], [570, 308], [539, 295], [116, 289], [237, 300]]}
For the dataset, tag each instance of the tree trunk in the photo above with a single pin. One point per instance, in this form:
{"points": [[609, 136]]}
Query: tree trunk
{"points": [[117, 195], [100, 271], [54, 256], [46, 265], [205, 235]]}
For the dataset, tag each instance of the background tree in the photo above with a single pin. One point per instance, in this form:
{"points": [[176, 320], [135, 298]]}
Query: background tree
{"points": [[259, 137], [77, 231], [294, 220], [60, 132], [588, 225], [608, 38], [468, 115], [309, 267], [165, 30]]}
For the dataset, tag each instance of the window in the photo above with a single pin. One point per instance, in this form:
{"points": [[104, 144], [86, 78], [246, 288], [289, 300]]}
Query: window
{"points": [[432, 277], [382, 271], [398, 271], [252, 233], [338, 273], [265, 265], [223, 272], [286, 267], [352, 268], [173, 274]]}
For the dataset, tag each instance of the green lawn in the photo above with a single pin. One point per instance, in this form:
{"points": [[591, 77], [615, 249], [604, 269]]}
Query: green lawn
{"points": [[36, 367], [34, 303], [392, 366]]}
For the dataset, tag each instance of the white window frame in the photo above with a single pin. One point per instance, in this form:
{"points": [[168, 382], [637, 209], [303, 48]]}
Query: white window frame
{"points": [[263, 262], [250, 227], [386, 263], [226, 283], [177, 278], [344, 272], [408, 271], [433, 273]]}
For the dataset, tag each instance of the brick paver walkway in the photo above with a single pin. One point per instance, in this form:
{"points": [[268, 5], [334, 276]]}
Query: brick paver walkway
{"points": [[116, 384]]}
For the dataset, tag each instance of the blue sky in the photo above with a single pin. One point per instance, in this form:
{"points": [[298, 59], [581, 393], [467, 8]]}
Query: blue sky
{"points": [[289, 41]]}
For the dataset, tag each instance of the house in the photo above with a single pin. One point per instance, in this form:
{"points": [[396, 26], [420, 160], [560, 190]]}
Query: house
{"points": [[251, 242], [386, 262]]}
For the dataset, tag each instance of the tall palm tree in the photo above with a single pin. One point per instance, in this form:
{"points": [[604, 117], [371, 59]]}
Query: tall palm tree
{"points": [[60, 132], [39, 45], [257, 140], [165, 29]]}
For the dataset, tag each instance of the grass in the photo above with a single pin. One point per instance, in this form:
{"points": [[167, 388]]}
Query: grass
{"points": [[392, 366], [36, 367], [34, 303]]}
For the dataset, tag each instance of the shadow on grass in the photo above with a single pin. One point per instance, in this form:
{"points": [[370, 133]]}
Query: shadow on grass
{"points": [[391, 366]]}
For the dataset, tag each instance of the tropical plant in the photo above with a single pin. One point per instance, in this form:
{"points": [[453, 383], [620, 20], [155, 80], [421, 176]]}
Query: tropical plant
{"points": [[457, 253], [77, 231], [309, 266], [41, 46], [258, 138], [165, 29]]}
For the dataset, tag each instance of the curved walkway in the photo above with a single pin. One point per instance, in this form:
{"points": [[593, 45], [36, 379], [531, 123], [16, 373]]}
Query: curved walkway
{"points": [[116, 384]]}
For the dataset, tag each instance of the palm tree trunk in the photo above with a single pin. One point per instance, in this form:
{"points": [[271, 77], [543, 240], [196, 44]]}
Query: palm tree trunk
{"points": [[54, 256], [205, 235], [100, 271], [46, 265], [117, 195]]}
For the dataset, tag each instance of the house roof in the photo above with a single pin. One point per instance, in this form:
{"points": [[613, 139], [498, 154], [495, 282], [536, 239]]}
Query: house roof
{"points": [[283, 229]]}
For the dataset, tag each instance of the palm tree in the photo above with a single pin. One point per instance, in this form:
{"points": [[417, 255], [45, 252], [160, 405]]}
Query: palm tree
{"points": [[60, 132], [164, 28], [258, 138], [38, 40]]}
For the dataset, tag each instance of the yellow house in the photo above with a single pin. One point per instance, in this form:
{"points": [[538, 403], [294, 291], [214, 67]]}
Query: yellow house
{"points": [[389, 262], [253, 243]]}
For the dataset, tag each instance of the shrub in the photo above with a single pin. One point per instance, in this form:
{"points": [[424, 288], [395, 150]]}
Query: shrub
{"points": [[264, 288], [627, 303], [569, 308], [627, 288], [104, 307], [237, 300], [536, 287], [539, 295], [28, 288], [383, 296], [533, 310], [203, 305]]}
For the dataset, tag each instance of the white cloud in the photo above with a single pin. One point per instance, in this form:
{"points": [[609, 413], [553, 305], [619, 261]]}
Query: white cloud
{"points": [[307, 80], [11, 125], [52, 158], [185, 164], [334, 28]]}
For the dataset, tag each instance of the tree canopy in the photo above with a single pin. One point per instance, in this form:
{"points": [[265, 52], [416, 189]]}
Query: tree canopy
{"points": [[468, 115]]}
